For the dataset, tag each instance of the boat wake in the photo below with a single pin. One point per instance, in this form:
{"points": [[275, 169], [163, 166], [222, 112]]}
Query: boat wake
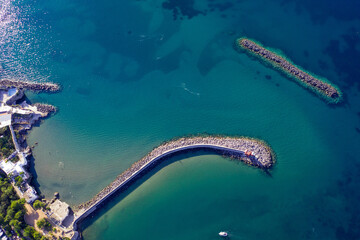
{"points": [[183, 86]]}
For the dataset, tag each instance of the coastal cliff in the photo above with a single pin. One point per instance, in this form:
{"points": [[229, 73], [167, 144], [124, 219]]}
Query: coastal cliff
{"points": [[17, 117]]}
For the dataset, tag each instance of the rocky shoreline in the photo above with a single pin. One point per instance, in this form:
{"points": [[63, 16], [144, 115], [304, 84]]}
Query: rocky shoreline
{"points": [[20, 116], [24, 123], [251, 151], [326, 90], [32, 86], [45, 108]]}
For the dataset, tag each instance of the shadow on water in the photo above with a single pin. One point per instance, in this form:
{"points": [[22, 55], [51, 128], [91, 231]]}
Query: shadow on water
{"points": [[32, 161], [41, 97], [146, 175], [34, 176]]}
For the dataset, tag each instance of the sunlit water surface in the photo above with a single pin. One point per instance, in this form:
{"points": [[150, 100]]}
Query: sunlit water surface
{"points": [[137, 73]]}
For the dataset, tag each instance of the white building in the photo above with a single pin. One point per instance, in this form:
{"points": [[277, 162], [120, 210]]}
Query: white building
{"points": [[5, 119], [60, 211], [16, 169]]}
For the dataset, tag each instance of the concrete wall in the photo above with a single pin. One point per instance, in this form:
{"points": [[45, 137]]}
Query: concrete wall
{"points": [[143, 168]]}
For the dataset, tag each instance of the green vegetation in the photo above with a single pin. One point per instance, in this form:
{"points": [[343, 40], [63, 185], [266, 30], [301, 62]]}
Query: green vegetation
{"points": [[31, 233], [18, 181], [6, 143], [39, 205], [15, 159], [17, 134], [44, 224], [12, 209], [12, 212]]}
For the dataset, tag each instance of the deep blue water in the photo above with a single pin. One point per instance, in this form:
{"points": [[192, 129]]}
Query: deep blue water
{"points": [[136, 73]]}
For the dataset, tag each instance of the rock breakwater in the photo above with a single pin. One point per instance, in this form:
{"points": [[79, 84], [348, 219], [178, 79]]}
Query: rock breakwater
{"points": [[318, 85], [32, 86], [252, 151], [45, 108]]}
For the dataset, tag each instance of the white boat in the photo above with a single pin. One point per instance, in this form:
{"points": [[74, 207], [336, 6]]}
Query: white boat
{"points": [[223, 234]]}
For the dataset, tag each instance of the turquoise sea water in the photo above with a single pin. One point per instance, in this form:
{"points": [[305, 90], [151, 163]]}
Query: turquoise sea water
{"points": [[136, 73]]}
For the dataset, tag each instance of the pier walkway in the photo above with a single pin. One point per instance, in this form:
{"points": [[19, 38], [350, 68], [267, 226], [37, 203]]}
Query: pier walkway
{"points": [[252, 151], [13, 135]]}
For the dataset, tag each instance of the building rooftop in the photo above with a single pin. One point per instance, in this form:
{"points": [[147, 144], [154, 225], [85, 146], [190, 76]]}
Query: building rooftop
{"points": [[59, 211], [5, 119]]}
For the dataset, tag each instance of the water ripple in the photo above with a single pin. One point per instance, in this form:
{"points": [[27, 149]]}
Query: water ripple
{"points": [[19, 49]]}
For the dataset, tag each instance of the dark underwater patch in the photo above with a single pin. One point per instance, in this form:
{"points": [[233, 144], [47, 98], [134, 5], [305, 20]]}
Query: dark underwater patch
{"points": [[220, 6], [83, 91], [321, 10], [306, 53], [357, 130], [185, 8], [182, 8], [323, 65], [346, 59]]}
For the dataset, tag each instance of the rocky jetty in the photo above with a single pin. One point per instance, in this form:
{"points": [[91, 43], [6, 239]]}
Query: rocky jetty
{"points": [[251, 151], [329, 92], [45, 108], [32, 86]]}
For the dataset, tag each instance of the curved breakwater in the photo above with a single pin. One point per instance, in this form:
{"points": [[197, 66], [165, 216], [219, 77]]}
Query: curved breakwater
{"points": [[251, 151], [320, 86]]}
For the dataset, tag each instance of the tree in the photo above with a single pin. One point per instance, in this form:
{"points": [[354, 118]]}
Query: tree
{"points": [[38, 204], [18, 181], [7, 219], [16, 224], [41, 223], [29, 231], [13, 209], [10, 212], [44, 224], [17, 205], [10, 193], [19, 215], [5, 151], [7, 229], [37, 235]]}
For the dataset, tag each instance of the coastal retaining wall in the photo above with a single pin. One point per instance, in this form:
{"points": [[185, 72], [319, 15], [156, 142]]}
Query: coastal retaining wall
{"points": [[16, 144], [266, 162]]}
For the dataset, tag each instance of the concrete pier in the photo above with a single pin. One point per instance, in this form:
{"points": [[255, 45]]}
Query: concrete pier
{"points": [[320, 86], [252, 151]]}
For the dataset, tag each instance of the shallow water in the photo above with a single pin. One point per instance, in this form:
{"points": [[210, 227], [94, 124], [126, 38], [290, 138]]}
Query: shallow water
{"points": [[134, 77]]}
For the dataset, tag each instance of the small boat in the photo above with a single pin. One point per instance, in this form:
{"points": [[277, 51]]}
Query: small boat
{"points": [[223, 234]]}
